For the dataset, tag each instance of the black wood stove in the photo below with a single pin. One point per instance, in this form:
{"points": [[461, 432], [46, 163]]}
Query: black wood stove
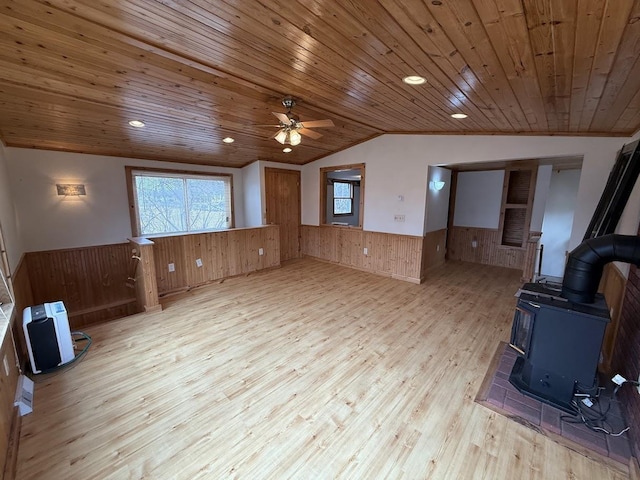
{"points": [[559, 343], [558, 332]]}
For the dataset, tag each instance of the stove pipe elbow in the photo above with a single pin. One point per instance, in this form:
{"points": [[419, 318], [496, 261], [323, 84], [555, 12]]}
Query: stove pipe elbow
{"points": [[586, 262]]}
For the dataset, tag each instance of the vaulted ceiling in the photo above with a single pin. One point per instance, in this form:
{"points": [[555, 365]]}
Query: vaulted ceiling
{"points": [[74, 72]]}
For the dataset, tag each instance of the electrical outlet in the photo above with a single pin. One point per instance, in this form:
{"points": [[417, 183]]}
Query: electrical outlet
{"points": [[365, 250], [638, 387], [438, 248], [198, 262], [172, 267], [5, 362], [398, 218], [261, 251]]}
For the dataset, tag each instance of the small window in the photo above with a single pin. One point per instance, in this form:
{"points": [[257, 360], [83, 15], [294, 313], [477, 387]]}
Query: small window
{"points": [[342, 198], [342, 195], [179, 202]]}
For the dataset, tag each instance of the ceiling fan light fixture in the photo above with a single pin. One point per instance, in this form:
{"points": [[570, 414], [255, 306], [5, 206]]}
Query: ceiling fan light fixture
{"points": [[281, 136], [414, 80], [294, 138]]}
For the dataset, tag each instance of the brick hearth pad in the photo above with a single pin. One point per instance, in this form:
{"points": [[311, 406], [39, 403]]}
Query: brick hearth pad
{"points": [[500, 396]]}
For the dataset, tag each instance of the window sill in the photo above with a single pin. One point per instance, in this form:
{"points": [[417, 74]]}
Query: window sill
{"points": [[5, 318], [146, 238], [333, 225]]}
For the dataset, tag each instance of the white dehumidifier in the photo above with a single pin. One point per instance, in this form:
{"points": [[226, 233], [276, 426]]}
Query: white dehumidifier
{"points": [[46, 331]]}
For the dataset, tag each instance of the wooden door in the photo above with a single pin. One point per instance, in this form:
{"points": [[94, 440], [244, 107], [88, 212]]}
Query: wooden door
{"points": [[282, 192]]}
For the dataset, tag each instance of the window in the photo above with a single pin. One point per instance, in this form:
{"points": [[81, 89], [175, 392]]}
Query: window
{"points": [[172, 202], [342, 198], [342, 195], [7, 302]]}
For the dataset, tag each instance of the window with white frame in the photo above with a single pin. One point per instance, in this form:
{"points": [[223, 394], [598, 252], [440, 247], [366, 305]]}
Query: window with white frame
{"points": [[342, 198], [175, 202]]}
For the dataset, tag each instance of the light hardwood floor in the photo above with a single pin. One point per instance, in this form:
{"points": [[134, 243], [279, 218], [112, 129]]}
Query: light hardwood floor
{"points": [[310, 371]]}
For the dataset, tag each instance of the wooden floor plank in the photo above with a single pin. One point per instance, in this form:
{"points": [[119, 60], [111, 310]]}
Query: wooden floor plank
{"points": [[308, 371]]}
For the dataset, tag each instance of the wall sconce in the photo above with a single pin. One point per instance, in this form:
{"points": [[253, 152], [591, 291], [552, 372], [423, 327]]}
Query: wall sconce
{"points": [[436, 185], [71, 189]]}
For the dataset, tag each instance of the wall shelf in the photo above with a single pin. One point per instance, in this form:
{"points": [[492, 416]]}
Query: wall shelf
{"points": [[517, 202]]}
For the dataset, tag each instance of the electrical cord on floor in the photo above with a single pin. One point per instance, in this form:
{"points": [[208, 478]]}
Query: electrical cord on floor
{"points": [[66, 366], [595, 421]]}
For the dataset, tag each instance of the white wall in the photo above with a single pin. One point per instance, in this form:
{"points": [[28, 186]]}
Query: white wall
{"points": [[478, 199], [49, 221], [389, 175], [8, 219], [558, 215], [540, 197], [437, 210], [252, 192], [397, 165]]}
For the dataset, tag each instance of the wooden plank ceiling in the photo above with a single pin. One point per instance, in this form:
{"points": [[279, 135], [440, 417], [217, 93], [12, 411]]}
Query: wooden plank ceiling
{"points": [[73, 72]]}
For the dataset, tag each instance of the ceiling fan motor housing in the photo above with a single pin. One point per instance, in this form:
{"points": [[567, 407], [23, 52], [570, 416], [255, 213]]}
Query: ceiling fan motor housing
{"points": [[288, 102]]}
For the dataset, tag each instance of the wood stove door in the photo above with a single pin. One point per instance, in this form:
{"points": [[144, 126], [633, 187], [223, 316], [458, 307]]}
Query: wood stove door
{"points": [[521, 330]]}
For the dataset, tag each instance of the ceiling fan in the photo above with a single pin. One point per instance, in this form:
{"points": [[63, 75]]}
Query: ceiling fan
{"points": [[291, 127]]}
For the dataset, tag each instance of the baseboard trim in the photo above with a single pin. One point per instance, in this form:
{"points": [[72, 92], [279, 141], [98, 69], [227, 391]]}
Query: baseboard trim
{"points": [[188, 288], [440, 262], [406, 279], [11, 460], [367, 270], [100, 308]]}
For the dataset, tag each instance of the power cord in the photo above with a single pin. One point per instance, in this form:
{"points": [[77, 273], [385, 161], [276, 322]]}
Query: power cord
{"points": [[586, 414], [65, 366]]}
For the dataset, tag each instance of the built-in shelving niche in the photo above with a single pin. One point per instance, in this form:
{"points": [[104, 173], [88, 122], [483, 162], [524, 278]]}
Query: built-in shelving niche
{"points": [[517, 202]]}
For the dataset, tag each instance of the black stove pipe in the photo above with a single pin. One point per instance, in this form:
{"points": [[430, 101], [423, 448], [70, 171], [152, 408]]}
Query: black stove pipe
{"points": [[585, 263]]}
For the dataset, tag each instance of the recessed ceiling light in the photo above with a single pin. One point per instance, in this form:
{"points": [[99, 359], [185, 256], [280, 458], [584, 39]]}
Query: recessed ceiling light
{"points": [[459, 115], [286, 150], [414, 80], [228, 140], [136, 123]]}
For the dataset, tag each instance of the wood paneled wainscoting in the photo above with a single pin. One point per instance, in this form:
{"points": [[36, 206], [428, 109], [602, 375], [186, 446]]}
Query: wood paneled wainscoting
{"points": [[144, 279], [482, 245], [204, 257], [92, 281], [433, 250], [9, 419], [23, 297], [613, 286], [398, 256]]}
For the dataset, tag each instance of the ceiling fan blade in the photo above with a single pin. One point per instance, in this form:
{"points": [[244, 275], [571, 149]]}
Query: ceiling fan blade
{"points": [[282, 117], [309, 133], [317, 124]]}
